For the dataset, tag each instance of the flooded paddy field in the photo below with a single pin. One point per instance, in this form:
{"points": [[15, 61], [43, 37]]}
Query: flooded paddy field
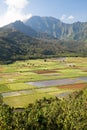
{"points": [[58, 82]]}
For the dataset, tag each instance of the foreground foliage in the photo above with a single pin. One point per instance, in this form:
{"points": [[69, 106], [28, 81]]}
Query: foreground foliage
{"points": [[48, 114]]}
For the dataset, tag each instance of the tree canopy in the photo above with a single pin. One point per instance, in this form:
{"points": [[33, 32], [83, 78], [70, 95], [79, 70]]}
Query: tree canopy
{"points": [[48, 114]]}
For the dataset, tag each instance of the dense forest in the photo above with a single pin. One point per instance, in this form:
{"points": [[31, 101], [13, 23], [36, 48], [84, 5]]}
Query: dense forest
{"points": [[17, 46], [47, 114]]}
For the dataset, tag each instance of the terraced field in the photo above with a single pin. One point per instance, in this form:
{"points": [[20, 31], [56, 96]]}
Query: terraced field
{"points": [[17, 80]]}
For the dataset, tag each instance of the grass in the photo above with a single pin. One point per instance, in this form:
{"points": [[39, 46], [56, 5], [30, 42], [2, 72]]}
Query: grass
{"points": [[73, 73], [24, 100], [4, 88], [19, 86]]}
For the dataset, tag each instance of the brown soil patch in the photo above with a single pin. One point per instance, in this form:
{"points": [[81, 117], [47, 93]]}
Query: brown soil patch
{"points": [[74, 86], [45, 71], [1, 69]]}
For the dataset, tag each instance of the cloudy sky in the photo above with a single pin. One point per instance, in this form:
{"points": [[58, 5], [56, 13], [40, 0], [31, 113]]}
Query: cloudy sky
{"points": [[68, 11]]}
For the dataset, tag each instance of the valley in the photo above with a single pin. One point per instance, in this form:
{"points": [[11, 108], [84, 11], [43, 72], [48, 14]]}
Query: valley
{"points": [[43, 65], [24, 82]]}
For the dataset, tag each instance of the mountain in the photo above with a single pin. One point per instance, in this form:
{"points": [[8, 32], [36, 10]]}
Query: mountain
{"points": [[48, 38], [27, 30], [20, 26], [44, 24], [50, 28], [58, 29]]}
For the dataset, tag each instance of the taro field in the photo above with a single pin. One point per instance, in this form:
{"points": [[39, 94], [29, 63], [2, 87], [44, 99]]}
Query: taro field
{"points": [[24, 82]]}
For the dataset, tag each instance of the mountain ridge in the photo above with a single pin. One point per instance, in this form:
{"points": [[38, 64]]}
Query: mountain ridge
{"points": [[20, 26], [58, 29], [50, 28]]}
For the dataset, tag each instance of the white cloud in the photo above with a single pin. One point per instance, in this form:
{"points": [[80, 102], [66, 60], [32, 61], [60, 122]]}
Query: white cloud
{"points": [[66, 18], [14, 11], [70, 17], [63, 17]]}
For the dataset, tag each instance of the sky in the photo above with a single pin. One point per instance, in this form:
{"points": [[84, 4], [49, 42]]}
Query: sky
{"points": [[67, 11]]}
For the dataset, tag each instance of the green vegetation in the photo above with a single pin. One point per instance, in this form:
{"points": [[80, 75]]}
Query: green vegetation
{"points": [[25, 59], [19, 86], [48, 114], [14, 78], [24, 99], [17, 46], [4, 88], [1, 99]]}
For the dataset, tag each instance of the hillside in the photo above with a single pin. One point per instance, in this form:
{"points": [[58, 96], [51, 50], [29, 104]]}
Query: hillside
{"points": [[20, 26], [17, 46], [42, 37], [48, 114], [14, 45], [27, 30], [58, 29]]}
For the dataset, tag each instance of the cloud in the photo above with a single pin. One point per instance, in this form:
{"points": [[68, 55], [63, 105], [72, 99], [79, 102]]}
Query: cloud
{"points": [[63, 17], [66, 18], [15, 11], [70, 17]]}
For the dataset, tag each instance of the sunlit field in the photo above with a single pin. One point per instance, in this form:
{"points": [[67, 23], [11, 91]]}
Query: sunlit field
{"points": [[15, 77]]}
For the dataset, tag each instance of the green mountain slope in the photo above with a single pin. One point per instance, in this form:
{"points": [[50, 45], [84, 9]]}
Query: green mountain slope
{"points": [[20, 26], [17, 46], [27, 30]]}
